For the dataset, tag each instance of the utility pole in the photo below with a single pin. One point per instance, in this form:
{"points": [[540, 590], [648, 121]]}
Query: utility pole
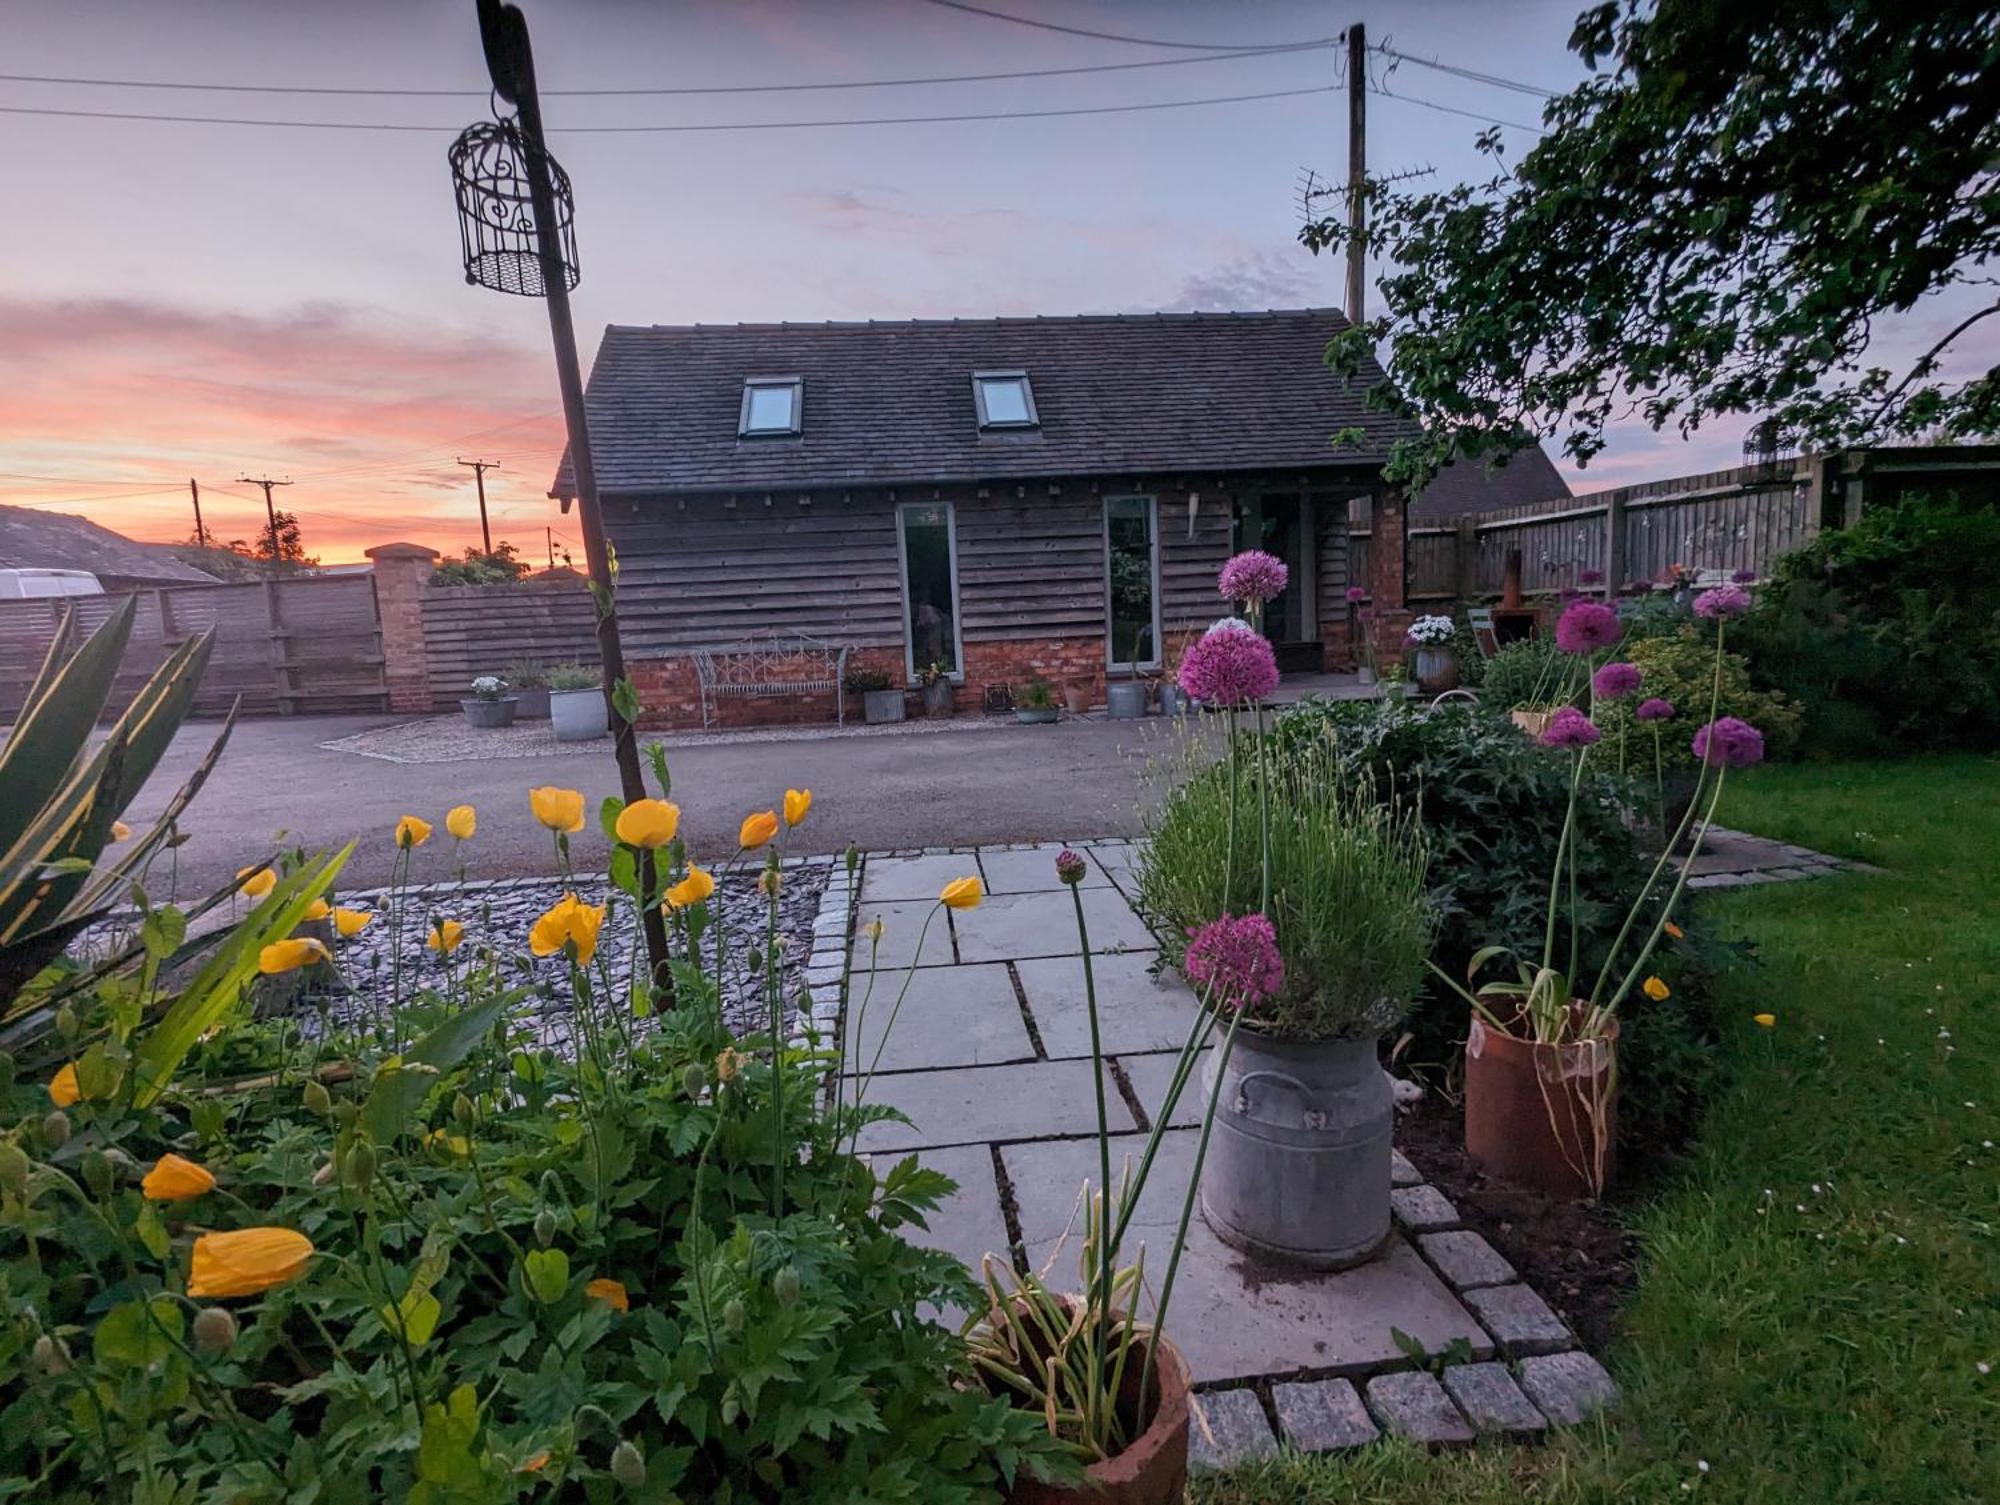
{"points": [[200, 532], [479, 469], [1357, 170], [270, 512]]}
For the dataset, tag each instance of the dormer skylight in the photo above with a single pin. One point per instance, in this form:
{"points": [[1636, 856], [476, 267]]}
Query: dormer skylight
{"points": [[773, 406], [1004, 400]]}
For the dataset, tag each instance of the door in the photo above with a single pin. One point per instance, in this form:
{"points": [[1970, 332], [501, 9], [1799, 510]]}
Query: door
{"points": [[1274, 524]]}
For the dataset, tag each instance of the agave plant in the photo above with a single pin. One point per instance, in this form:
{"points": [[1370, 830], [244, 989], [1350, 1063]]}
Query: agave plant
{"points": [[59, 868]]}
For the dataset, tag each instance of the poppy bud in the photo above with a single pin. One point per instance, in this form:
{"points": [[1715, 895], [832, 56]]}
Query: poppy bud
{"points": [[55, 1129], [317, 1099], [50, 1356], [545, 1228], [627, 1467], [67, 1024], [785, 1285], [461, 1111], [360, 1165], [324, 1174], [733, 1314], [756, 960], [551, 1187], [13, 1167], [345, 1112], [694, 1078], [97, 1173], [852, 857], [768, 881], [214, 1330]]}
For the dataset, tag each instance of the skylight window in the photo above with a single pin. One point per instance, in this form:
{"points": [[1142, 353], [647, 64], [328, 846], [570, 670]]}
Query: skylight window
{"points": [[1004, 399], [772, 405]]}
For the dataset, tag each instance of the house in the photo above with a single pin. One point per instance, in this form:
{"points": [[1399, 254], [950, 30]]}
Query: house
{"points": [[1007, 499], [34, 539]]}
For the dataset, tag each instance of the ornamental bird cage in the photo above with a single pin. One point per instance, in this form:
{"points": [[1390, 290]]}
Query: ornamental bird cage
{"points": [[1766, 440], [496, 211]]}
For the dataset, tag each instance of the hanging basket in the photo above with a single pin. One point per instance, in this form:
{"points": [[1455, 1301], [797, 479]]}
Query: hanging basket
{"points": [[496, 211]]}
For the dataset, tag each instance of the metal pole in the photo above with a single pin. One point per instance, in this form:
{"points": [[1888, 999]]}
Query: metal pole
{"points": [[1357, 170]]}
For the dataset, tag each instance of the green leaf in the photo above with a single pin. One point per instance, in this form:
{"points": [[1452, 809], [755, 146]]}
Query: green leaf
{"points": [[132, 1336], [607, 817], [547, 1274], [416, 1315], [625, 870], [56, 722], [656, 755], [401, 1087], [625, 700], [152, 1230], [162, 932]]}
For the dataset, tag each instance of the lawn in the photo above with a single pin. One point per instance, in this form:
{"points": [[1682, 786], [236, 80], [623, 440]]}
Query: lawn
{"points": [[1817, 1316]]}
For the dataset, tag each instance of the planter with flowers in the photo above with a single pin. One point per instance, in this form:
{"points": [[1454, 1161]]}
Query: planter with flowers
{"points": [[1436, 664], [1036, 704], [489, 706], [937, 687], [1541, 1054]]}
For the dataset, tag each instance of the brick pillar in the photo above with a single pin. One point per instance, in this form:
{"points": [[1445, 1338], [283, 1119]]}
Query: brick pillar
{"points": [[402, 575], [1387, 571]]}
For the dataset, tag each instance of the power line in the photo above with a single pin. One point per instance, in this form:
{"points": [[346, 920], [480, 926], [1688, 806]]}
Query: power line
{"points": [[1112, 36], [102, 496], [1431, 104], [1473, 74]]}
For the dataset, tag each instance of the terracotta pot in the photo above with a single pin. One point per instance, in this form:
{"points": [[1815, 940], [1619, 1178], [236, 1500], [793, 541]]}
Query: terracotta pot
{"points": [[1543, 1116], [1153, 1470], [1076, 695], [1534, 723]]}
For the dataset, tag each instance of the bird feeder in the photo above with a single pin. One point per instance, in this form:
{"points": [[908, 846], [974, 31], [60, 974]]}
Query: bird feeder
{"points": [[496, 211]]}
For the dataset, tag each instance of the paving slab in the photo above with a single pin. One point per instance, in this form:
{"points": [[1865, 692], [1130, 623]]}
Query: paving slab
{"points": [[1466, 1260], [904, 930], [968, 1224], [1234, 1317], [1014, 926], [1490, 1399], [1411, 1404], [1119, 861], [990, 1104], [1568, 1386], [1520, 1320], [1150, 1077], [1401, 1172], [1322, 1416], [1227, 1427], [1135, 1012], [900, 879], [951, 1016], [1031, 871]]}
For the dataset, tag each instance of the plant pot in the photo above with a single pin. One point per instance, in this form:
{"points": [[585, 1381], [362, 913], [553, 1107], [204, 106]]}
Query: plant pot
{"points": [[879, 706], [1076, 695], [1034, 715], [533, 704], [1437, 670], [1125, 699], [1298, 1168], [1543, 1116], [488, 715], [937, 698], [579, 715], [1534, 723], [1364, 675], [1153, 1470], [1172, 701]]}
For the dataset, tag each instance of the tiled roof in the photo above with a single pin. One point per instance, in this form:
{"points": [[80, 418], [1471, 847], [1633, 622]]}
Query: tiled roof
{"points": [[889, 403], [33, 539], [1468, 486]]}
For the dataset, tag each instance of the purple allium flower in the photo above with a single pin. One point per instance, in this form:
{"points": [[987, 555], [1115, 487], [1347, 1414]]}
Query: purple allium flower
{"points": [[1591, 577], [1723, 601], [1570, 728], [1655, 709], [1070, 867], [1228, 624], [1730, 742], [1253, 575], [1615, 681], [1744, 577], [1236, 958], [1228, 668], [1586, 626], [1356, 595]]}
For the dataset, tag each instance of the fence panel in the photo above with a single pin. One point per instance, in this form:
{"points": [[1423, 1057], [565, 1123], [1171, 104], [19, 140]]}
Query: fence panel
{"points": [[470, 630]]}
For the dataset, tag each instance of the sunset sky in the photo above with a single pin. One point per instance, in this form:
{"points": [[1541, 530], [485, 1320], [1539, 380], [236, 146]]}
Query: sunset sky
{"points": [[225, 300]]}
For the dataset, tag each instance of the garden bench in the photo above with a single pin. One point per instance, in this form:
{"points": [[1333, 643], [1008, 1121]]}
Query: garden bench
{"points": [[772, 663]]}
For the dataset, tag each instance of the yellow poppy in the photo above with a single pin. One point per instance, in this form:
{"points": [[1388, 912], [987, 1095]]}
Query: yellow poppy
{"points": [[120, 831], [797, 803], [461, 821], [444, 1139], [872, 932], [63, 1089], [246, 1261], [569, 922], [610, 1292], [289, 955], [962, 893], [560, 810], [174, 1179], [257, 882], [757, 829], [648, 823], [351, 922], [412, 831], [1674, 930], [727, 1064], [692, 889], [1656, 990], [317, 910], [445, 936], [1765, 1021]]}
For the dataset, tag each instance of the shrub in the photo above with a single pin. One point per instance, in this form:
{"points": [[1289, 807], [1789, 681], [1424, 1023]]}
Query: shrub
{"points": [[526, 674], [502, 567], [1888, 632], [865, 681], [1532, 674], [1681, 669], [573, 677]]}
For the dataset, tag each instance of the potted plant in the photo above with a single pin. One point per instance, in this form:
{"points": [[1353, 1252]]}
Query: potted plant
{"points": [[1076, 695], [1533, 679], [1541, 1053], [937, 688], [576, 702], [530, 682], [489, 705], [1036, 704], [879, 702], [1436, 664]]}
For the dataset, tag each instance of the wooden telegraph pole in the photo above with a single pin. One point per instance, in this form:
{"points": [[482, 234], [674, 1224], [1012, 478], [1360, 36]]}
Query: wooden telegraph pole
{"points": [[270, 513], [479, 469], [1357, 170], [200, 532]]}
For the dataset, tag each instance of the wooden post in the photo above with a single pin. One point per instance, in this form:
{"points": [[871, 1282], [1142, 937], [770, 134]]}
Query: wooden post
{"points": [[281, 653], [1614, 542], [1357, 171], [1465, 561]]}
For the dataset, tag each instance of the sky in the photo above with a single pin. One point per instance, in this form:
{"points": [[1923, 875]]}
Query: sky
{"points": [[229, 301]]}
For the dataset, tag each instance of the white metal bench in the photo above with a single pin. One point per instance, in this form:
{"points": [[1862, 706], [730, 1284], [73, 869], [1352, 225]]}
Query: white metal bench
{"points": [[771, 663]]}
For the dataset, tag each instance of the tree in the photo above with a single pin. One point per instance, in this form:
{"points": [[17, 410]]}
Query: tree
{"points": [[1713, 224], [500, 567], [290, 542]]}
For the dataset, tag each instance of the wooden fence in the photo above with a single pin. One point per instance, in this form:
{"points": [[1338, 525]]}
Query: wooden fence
{"points": [[470, 630], [286, 647]]}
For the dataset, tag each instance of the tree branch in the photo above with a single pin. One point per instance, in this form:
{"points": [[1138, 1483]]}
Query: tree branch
{"points": [[1926, 362]]}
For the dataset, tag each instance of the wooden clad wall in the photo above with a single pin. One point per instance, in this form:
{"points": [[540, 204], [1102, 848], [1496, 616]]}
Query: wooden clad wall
{"points": [[1194, 545], [1330, 524], [1030, 566], [470, 630]]}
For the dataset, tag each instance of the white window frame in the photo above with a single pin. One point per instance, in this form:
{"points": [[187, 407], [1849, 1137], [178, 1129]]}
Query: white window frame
{"points": [[1153, 529], [752, 384], [979, 380], [910, 666]]}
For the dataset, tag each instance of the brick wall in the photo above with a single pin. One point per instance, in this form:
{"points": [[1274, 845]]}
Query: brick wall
{"points": [[1387, 542], [402, 574]]}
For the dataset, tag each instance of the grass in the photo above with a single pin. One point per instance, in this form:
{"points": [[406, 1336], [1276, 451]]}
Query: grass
{"points": [[1818, 1286]]}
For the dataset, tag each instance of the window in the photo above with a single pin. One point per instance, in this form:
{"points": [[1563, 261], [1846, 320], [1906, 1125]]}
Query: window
{"points": [[771, 405], [1132, 581], [927, 539], [1004, 399]]}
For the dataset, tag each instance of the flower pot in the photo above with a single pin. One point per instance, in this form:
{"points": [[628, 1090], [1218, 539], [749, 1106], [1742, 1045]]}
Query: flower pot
{"points": [[1172, 701], [1534, 723], [1153, 1470], [1125, 699], [1076, 695], [937, 698], [1298, 1168], [1034, 715], [533, 704], [878, 706], [1542, 1116], [1437, 670], [489, 714], [579, 715], [1364, 675]]}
